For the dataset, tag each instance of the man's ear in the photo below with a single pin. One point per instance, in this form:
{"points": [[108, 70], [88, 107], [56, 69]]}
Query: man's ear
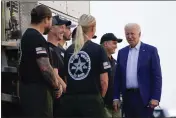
{"points": [[139, 34], [92, 29], [105, 44], [45, 20]]}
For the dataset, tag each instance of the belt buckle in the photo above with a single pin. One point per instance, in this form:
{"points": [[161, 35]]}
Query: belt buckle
{"points": [[135, 89]]}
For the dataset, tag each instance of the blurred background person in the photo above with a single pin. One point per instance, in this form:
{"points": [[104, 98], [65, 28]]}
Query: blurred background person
{"points": [[61, 50], [67, 37]]}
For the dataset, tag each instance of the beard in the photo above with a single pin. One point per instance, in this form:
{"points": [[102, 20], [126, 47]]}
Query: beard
{"points": [[66, 38], [46, 31]]}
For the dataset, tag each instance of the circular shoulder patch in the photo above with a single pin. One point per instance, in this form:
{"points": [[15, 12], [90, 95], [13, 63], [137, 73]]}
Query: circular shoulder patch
{"points": [[79, 65]]}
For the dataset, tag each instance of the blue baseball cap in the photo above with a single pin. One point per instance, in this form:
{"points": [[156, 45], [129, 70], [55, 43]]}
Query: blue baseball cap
{"points": [[58, 21]]}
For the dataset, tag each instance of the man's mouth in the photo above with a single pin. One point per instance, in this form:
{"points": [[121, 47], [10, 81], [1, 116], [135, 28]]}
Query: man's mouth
{"points": [[62, 34], [130, 40]]}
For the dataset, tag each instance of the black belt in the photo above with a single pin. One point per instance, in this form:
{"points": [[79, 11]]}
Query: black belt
{"points": [[132, 89]]}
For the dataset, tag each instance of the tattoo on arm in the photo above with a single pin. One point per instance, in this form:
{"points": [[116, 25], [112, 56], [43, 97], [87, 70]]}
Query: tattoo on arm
{"points": [[104, 83], [47, 71]]}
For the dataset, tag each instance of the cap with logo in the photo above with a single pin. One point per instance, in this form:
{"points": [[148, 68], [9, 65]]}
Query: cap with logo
{"points": [[110, 37]]}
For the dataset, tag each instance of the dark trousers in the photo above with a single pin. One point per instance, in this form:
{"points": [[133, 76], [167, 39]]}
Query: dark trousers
{"points": [[57, 107], [82, 106], [36, 101], [133, 106]]}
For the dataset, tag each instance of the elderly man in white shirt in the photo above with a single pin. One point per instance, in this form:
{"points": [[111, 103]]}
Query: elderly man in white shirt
{"points": [[138, 76]]}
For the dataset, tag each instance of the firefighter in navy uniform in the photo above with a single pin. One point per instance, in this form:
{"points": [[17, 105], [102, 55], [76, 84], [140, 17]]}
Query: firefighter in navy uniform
{"points": [[86, 67], [54, 36], [109, 42], [37, 78], [67, 37], [62, 42]]}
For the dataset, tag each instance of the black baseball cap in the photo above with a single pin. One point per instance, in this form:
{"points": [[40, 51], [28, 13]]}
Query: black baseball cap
{"points": [[58, 21], [110, 37], [74, 33]]}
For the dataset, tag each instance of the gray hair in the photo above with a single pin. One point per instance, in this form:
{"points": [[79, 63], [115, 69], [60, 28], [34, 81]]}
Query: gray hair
{"points": [[133, 25]]}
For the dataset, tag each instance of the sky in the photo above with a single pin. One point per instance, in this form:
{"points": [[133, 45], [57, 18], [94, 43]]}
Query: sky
{"points": [[158, 25]]}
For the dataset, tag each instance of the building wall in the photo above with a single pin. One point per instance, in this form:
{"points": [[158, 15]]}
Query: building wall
{"points": [[25, 11], [71, 8]]}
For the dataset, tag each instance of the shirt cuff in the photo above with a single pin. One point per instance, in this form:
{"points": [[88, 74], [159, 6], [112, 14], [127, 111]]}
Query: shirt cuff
{"points": [[115, 100], [155, 100]]}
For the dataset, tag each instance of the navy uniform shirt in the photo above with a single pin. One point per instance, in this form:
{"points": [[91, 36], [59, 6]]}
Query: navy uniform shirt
{"points": [[109, 95], [57, 58], [60, 52], [33, 46], [53, 56], [83, 69]]}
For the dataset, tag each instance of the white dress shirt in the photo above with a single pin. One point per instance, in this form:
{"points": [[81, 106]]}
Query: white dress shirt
{"points": [[131, 69]]}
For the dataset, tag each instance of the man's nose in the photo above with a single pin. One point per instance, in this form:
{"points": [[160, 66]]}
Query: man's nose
{"points": [[129, 36]]}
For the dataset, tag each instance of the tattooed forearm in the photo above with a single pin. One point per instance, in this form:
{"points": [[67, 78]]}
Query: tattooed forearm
{"points": [[47, 71], [104, 83]]}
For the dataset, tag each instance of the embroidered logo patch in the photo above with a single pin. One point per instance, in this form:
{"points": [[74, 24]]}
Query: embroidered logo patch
{"points": [[79, 66]]}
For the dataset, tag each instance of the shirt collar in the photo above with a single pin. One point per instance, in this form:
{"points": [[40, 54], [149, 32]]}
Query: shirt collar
{"points": [[51, 44], [137, 47], [110, 58]]}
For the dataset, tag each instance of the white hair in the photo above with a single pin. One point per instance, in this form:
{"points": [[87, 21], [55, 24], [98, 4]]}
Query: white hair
{"points": [[84, 22], [133, 25]]}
